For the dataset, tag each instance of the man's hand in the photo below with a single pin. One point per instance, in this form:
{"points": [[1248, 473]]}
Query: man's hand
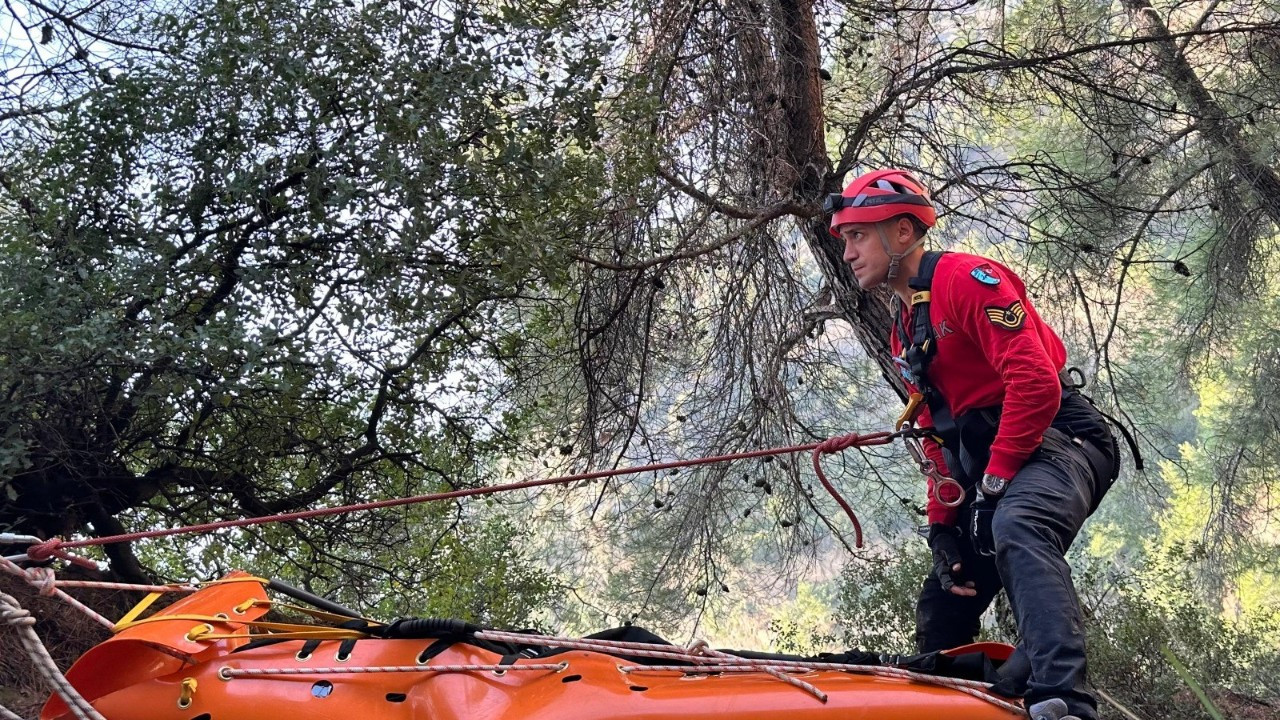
{"points": [[944, 541]]}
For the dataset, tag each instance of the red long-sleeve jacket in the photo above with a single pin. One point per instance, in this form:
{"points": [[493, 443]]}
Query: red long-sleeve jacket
{"points": [[992, 349]]}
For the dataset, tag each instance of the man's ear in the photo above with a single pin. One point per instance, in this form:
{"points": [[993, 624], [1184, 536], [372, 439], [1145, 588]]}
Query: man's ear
{"points": [[905, 231]]}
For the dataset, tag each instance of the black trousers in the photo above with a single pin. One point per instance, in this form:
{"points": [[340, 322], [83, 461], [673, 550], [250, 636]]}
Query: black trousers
{"points": [[1034, 524]]}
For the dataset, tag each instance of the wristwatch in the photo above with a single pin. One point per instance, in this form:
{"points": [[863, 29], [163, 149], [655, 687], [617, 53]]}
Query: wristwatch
{"points": [[993, 485]]}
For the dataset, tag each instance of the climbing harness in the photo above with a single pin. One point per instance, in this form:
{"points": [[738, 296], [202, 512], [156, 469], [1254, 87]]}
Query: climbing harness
{"points": [[919, 346], [954, 492]]}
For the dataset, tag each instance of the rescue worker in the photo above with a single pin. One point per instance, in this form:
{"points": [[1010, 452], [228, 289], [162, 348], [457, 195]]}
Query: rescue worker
{"points": [[1032, 454]]}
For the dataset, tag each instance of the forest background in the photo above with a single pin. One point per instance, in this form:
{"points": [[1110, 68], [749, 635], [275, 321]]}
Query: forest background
{"points": [[267, 255]]}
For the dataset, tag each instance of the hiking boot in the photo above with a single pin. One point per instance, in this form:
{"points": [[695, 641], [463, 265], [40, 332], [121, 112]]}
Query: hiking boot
{"points": [[1052, 709]]}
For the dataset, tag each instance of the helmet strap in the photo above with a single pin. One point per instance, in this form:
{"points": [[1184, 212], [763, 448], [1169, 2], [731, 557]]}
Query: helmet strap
{"points": [[895, 259]]}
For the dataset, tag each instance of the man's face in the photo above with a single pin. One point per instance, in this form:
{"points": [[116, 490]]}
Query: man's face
{"points": [[864, 253]]}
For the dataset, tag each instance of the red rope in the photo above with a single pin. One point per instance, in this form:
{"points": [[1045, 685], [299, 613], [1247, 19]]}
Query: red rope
{"points": [[53, 548], [839, 444], [56, 547]]}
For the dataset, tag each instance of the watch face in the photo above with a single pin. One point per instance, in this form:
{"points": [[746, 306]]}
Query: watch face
{"points": [[994, 485]]}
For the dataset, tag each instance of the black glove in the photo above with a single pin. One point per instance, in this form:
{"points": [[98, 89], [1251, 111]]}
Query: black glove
{"points": [[944, 541], [981, 513]]}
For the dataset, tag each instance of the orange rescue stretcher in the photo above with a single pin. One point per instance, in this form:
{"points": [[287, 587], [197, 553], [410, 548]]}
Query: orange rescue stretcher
{"points": [[211, 656]]}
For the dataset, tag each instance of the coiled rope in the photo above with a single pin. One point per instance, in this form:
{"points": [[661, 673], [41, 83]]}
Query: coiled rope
{"points": [[17, 617]]}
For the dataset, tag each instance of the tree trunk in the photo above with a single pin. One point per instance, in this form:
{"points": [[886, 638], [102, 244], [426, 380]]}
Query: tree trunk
{"points": [[801, 85], [1220, 129]]}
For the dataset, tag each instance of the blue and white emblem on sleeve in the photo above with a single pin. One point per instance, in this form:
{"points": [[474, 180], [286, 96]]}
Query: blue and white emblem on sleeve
{"points": [[985, 275]]}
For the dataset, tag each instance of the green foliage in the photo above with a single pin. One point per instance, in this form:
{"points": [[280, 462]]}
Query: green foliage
{"points": [[489, 577], [1132, 617], [1181, 669], [874, 605], [314, 252], [285, 262], [877, 598]]}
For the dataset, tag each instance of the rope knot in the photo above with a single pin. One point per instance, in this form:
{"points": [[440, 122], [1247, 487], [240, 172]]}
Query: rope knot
{"points": [[52, 548], [698, 647], [42, 579], [45, 551], [835, 445], [839, 443]]}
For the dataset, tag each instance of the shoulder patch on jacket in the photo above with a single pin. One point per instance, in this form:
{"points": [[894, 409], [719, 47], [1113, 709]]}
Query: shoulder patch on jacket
{"points": [[1010, 318], [985, 274]]}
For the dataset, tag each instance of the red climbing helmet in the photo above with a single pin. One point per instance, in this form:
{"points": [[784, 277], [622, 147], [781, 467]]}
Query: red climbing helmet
{"points": [[880, 195]]}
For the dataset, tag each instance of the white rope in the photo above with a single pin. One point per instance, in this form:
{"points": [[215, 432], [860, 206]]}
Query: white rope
{"points": [[673, 652], [7, 714], [703, 648], [734, 663], [41, 578], [101, 585], [968, 687], [11, 613], [229, 673]]}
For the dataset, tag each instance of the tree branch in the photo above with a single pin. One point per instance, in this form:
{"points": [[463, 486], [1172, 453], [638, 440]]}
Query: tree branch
{"points": [[804, 211], [71, 23], [719, 206]]}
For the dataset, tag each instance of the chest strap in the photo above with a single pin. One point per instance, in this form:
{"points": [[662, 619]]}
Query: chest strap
{"points": [[919, 344]]}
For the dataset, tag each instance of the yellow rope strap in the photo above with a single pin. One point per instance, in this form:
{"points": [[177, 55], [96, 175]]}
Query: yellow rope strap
{"points": [[317, 614], [130, 617], [125, 624], [281, 630], [188, 692], [228, 581]]}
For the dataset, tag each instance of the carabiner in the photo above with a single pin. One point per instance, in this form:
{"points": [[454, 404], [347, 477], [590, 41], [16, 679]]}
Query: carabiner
{"points": [[916, 451], [909, 413]]}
